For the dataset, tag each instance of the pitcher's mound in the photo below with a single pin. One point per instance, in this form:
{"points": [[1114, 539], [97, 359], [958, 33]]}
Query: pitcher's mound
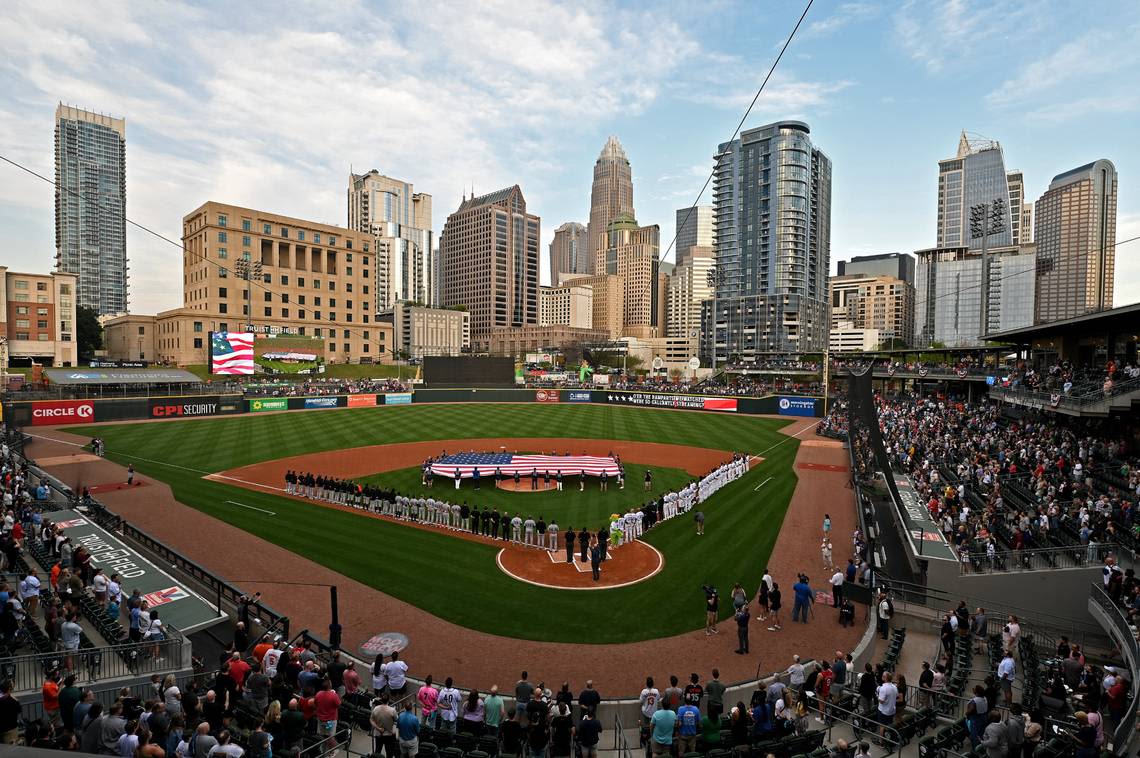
{"points": [[624, 565]]}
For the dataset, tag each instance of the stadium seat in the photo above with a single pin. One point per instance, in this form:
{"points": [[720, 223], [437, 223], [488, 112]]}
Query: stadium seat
{"points": [[428, 750], [489, 745], [451, 752]]}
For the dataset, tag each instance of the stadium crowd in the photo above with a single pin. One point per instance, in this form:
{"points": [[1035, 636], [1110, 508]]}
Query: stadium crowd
{"points": [[995, 483], [317, 387]]}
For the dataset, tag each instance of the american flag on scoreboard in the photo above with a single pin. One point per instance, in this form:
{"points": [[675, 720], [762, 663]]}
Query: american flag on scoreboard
{"points": [[231, 353], [570, 465]]}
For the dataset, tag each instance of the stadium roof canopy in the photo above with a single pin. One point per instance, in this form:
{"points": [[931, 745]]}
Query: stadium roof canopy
{"points": [[120, 376], [1121, 321]]}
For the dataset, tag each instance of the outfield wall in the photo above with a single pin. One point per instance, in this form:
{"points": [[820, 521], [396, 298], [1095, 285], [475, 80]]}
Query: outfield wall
{"points": [[63, 412]]}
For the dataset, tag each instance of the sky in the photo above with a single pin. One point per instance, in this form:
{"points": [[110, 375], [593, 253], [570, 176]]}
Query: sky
{"points": [[271, 107]]}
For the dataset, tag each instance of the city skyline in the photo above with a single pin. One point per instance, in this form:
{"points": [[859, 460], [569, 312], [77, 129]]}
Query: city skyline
{"points": [[196, 135]]}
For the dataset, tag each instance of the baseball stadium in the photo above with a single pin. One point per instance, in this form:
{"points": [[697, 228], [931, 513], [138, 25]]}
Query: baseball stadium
{"points": [[518, 535]]}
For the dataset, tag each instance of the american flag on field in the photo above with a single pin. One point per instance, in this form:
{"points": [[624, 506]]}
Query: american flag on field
{"points": [[570, 465], [231, 353]]}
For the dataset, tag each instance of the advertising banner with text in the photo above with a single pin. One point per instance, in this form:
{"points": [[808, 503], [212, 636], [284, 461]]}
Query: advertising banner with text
{"points": [[320, 402], [45, 412], [398, 398], [262, 404], [169, 407], [797, 406], [546, 396], [361, 401]]}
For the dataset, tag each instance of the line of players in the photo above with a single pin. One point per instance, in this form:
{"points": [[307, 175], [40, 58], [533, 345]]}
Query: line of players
{"points": [[489, 522]]}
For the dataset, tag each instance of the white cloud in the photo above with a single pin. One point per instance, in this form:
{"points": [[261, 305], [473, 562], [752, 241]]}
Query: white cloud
{"points": [[844, 15], [1058, 86], [934, 34], [271, 111], [784, 97]]}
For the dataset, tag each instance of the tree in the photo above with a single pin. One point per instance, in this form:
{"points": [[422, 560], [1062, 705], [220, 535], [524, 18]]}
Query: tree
{"points": [[88, 332]]}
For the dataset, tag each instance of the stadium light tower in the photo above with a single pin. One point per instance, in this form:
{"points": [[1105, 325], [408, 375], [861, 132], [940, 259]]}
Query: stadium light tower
{"points": [[248, 270], [986, 219]]}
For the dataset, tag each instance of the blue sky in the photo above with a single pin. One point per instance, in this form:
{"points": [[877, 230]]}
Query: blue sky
{"points": [[270, 107]]}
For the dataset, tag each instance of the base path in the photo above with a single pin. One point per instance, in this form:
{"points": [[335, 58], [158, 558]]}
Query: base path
{"points": [[626, 564], [479, 659]]}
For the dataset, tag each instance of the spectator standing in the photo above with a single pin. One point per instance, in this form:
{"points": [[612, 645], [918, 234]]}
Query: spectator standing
{"points": [[588, 700], [494, 711], [589, 734], [408, 732], [663, 723], [428, 698], [714, 696], [688, 725], [449, 698]]}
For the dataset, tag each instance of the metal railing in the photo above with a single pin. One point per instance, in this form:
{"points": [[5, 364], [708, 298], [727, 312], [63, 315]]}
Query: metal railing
{"points": [[1038, 559], [621, 742], [1125, 637], [92, 664], [1044, 399], [862, 723]]}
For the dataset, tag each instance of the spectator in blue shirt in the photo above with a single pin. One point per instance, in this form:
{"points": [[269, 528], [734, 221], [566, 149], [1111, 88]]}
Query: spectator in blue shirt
{"points": [[408, 731], [804, 598], [663, 722], [688, 726]]}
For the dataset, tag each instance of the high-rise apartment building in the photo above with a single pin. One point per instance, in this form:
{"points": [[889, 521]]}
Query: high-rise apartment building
{"points": [[898, 265], [568, 305], [631, 252], [975, 175], [1075, 232], [399, 219], [694, 228], [772, 227], [882, 303], [489, 261], [688, 286], [569, 253], [91, 206], [610, 195]]}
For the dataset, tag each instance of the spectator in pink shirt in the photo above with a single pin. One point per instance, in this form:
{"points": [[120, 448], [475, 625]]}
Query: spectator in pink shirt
{"points": [[428, 697]]}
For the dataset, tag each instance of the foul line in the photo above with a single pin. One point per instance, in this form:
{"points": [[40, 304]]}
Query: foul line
{"points": [[787, 438], [761, 484], [243, 505], [124, 455]]}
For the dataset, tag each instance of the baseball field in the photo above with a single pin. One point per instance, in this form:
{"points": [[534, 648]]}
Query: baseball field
{"points": [[458, 579]]}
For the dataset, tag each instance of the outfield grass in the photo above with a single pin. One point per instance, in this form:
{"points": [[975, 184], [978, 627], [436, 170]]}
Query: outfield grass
{"points": [[431, 569], [591, 508]]}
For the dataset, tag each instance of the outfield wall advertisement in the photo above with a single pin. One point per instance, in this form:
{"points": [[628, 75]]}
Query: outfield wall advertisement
{"points": [[45, 412], [663, 400], [797, 406]]}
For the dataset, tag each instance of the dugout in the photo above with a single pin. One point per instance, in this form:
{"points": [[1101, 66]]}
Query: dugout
{"points": [[468, 371]]}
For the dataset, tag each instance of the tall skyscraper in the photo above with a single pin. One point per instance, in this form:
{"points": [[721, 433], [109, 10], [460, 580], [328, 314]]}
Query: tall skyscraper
{"points": [[772, 227], [612, 194], [569, 254], [631, 252], [489, 261], [694, 227], [974, 176], [91, 206], [1075, 232], [400, 221]]}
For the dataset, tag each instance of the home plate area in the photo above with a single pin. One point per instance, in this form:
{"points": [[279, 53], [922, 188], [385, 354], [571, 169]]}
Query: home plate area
{"points": [[626, 564]]}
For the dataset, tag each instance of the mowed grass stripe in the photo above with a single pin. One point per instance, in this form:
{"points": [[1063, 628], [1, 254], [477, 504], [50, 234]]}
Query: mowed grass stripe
{"points": [[432, 569]]}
